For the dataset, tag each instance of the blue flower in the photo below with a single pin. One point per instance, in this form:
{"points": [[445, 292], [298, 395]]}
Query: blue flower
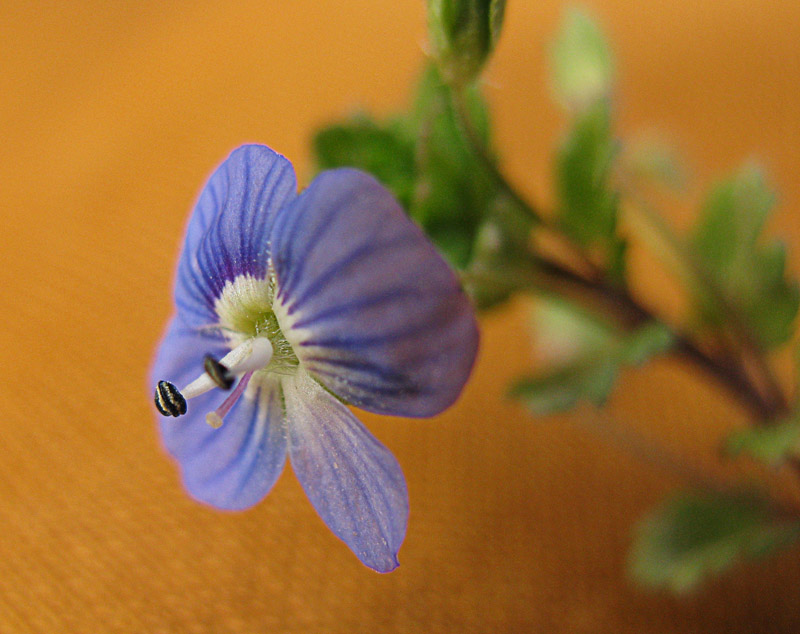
{"points": [[295, 305]]}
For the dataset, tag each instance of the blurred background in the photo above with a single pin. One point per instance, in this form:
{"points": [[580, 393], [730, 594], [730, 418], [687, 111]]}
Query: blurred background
{"points": [[112, 115]]}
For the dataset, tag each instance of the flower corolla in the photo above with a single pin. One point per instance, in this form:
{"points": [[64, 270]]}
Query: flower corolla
{"points": [[296, 305]]}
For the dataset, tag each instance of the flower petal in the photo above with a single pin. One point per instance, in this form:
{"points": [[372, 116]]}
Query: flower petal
{"points": [[232, 467], [228, 232], [240, 462], [352, 480], [369, 306]]}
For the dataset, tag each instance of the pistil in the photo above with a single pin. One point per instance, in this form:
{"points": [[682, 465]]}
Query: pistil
{"points": [[215, 418]]}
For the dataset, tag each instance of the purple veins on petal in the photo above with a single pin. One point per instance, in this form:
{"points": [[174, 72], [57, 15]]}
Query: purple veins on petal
{"points": [[357, 305], [340, 267], [358, 280], [247, 455], [308, 301], [228, 233], [352, 480]]}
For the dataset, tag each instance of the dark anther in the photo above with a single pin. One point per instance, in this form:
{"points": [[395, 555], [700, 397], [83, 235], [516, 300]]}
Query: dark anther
{"points": [[218, 372], [169, 400]]}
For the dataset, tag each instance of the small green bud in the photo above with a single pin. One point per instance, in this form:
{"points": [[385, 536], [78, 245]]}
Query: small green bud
{"points": [[582, 64], [464, 33]]}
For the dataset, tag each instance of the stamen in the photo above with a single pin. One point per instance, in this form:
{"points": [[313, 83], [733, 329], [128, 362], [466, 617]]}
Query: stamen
{"points": [[218, 372], [252, 354], [200, 385], [215, 418], [169, 401]]}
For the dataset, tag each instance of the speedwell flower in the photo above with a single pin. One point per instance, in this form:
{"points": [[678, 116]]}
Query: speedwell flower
{"points": [[295, 305]]}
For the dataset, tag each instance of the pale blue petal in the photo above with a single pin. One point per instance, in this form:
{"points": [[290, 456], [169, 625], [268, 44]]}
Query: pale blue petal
{"points": [[240, 462], [228, 232], [372, 310], [232, 467], [353, 481]]}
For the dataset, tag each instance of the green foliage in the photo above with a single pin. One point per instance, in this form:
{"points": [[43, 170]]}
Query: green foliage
{"points": [[592, 354], [438, 159], [645, 342], [649, 161], [771, 445], [427, 161], [581, 61], [499, 268], [750, 274], [453, 192], [463, 34], [384, 150], [698, 534], [561, 389], [588, 200]]}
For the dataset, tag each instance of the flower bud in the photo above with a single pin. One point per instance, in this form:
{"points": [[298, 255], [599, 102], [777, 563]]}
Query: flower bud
{"points": [[582, 63], [464, 33]]}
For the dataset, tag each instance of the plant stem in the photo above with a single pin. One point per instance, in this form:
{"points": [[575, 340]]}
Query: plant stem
{"points": [[479, 149], [697, 275], [635, 314], [482, 153], [763, 407]]}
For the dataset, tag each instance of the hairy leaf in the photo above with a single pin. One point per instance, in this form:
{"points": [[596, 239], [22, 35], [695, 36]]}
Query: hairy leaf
{"points": [[749, 272], [646, 342], [584, 355], [386, 150], [771, 445], [563, 388], [697, 534], [588, 202]]}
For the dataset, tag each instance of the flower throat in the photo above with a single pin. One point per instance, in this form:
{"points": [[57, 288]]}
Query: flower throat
{"points": [[258, 346]]}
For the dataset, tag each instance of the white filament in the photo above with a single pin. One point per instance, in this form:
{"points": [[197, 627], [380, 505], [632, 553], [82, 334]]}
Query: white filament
{"points": [[251, 355]]}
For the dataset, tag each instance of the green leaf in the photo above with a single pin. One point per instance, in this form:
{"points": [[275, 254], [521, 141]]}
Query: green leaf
{"points": [[464, 33], [563, 388], [585, 355], [697, 534], [588, 202], [581, 61], [454, 194], [648, 160], [384, 150], [751, 274], [564, 331], [499, 266], [652, 339], [771, 445], [444, 182]]}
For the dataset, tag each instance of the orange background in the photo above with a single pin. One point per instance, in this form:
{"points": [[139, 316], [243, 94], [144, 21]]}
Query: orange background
{"points": [[112, 115]]}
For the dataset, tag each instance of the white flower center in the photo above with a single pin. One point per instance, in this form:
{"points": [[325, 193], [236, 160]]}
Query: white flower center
{"points": [[251, 327]]}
